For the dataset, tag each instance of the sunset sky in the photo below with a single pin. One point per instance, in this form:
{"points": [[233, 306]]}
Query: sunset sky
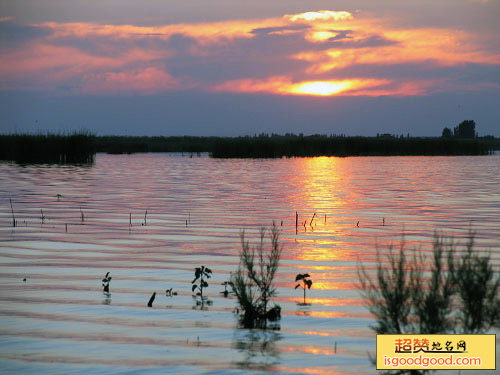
{"points": [[228, 67]]}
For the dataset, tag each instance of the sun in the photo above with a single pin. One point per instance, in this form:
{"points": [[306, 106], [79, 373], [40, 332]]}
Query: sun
{"points": [[322, 88]]}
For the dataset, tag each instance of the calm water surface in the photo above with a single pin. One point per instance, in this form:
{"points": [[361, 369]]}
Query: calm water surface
{"points": [[60, 322]]}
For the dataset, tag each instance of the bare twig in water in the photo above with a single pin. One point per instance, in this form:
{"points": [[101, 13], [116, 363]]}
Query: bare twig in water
{"points": [[310, 223], [151, 300], [12, 210]]}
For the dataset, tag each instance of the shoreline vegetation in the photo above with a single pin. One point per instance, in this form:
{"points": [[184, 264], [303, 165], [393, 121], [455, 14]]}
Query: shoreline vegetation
{"points": [[81, 147], [76, 148]]}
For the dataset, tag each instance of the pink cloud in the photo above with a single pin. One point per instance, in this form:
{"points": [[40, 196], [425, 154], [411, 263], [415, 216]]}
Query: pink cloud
{"points": [[322, 49]]}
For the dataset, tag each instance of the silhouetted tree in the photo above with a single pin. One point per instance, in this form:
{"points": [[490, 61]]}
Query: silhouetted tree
{"points": [[446, 133], [466, 129]]}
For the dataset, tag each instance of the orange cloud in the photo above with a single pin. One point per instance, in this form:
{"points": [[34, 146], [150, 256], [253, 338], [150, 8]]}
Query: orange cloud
{"points": [[282, 85], [325, 53], [205, 33]]}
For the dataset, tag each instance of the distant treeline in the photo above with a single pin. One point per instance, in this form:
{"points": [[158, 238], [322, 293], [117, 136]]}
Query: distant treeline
{"points": [[77, 148], [81, 147]]}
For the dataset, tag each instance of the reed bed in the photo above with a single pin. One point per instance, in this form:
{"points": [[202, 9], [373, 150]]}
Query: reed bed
{"points": [[81, 147], [290, 146], [48, 148]]}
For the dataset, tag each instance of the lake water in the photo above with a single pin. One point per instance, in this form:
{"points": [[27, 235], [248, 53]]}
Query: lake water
{"points": [[60, 322]]}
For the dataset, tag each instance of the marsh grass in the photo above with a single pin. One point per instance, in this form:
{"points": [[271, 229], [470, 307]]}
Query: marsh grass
{"points": [[80, 147], [130, 144], [277, 146], [458, 293], [478, 288], [76, 148], [14, 221], [253, 282]]}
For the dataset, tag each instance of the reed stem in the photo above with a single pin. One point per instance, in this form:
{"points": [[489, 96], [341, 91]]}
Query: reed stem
{"points": [[13, 216]]}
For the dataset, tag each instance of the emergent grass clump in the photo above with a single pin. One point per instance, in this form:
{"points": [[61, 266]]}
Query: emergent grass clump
{"points": [[253, 284]]}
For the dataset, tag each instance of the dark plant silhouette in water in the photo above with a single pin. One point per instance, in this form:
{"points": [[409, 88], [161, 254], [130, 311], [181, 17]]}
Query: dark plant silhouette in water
{"points": [[253, 284], [478, 290], [170, 292], [459, 293], [151, 300], [200, 273], [14, 221], [105, 283], [306, 282], [225, 293]]}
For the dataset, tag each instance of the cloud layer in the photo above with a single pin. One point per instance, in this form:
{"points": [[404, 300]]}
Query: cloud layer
{"points": [[317, 53]]}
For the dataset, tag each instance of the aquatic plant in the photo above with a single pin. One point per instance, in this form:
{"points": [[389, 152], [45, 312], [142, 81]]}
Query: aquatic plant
{"points": [[253, 282], [105, 283], [290, 145], [81, 147], [170, 292], [226, 284], [78, 147], [14, 222], [133, 144], [306, 282], [199, 273], [478, 290], [459, 294]]}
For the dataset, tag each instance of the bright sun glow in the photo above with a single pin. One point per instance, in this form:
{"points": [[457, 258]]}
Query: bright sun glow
{"points": [[320, 88]]}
